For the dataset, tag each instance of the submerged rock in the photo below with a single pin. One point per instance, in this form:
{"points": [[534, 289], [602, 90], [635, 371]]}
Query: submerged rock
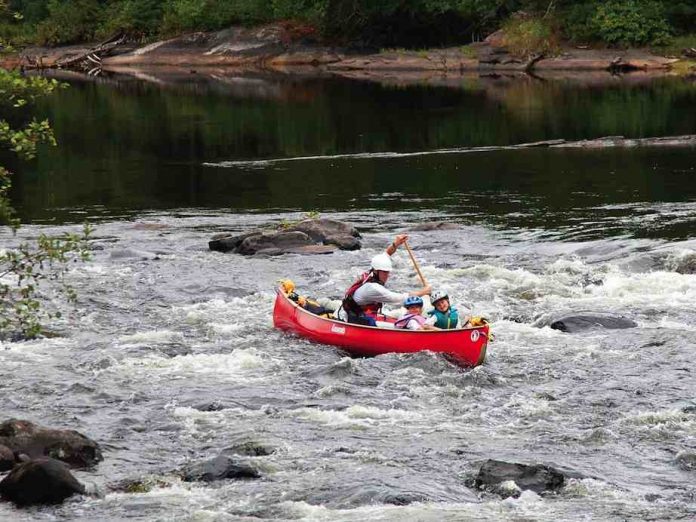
{"points": [[219, 468], [140, 485], [435, 225], [686, 265], [686, 460], [40, 481], [7, 458], [70, 446], [312, 236], [580, 322], [502, 477], [250, 449]]}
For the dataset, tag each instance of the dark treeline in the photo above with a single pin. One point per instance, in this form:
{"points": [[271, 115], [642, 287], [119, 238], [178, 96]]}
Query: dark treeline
{"points": [[382, 23]]}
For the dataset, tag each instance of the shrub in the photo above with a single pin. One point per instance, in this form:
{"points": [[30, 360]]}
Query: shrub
{"points": [[631, 22], [577, 22], [308, 10], [526, 35], [136, 18], [186, 15], [69, 21]]}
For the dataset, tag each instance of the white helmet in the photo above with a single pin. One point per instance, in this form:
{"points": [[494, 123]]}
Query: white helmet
{"points": [[438, 295], [381, 262]]}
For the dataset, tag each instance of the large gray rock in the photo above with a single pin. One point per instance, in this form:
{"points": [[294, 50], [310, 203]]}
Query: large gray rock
{"points": [[312, 236], [494, 474], [219, 468], [330, 232], [587, 321], [22, 436], [227, 242], [40, 481]]}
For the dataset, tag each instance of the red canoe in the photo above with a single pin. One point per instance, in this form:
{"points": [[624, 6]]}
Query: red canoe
{"points": [[466, 346]]}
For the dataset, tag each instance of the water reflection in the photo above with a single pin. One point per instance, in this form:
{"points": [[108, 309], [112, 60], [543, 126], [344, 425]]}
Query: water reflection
{"points": [[142, 142]]}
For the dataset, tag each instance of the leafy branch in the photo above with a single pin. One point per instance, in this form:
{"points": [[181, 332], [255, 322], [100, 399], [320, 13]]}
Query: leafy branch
{"points": [[31, 272]]}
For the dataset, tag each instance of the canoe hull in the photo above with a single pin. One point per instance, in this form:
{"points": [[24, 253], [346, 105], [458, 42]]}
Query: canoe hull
{"points": [[466, 346]]}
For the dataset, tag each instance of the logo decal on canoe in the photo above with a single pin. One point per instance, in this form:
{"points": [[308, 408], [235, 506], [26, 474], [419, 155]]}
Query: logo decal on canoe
{"points": [[475, 336], [338, 329]]}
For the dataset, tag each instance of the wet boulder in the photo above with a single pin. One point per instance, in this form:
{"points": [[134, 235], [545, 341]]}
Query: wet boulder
{"points": [[7, 458], [229, 243], [220, 468], [40, 481], [588, 321], [275, 243], [270, 244], [502, 477], [311, 236], [70, 446], [330, 232]]}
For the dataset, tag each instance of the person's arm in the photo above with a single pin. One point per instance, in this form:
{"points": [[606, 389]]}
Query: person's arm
{"points": [[376, 293], [398, 241], [423, 291]]}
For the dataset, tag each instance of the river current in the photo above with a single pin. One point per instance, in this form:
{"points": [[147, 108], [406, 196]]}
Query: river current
{"points": [[169, 356]]}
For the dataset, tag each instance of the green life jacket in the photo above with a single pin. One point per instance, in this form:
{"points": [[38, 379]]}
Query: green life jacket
{"points": [[446, 320]]}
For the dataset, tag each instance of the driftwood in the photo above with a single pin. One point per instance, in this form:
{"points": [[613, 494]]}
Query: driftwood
{"points": [[533, 59], [92, 57], [689, 52]]}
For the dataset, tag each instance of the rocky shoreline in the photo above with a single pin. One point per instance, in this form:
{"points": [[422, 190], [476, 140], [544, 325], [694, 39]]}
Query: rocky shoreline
{"points": [[270, 48]]}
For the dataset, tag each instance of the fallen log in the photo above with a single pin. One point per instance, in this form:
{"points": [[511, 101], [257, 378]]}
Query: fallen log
{"points": [[93, 55]]}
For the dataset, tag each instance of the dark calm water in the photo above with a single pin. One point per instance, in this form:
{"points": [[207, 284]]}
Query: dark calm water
{"points": [[170, 357], [178, 142]]}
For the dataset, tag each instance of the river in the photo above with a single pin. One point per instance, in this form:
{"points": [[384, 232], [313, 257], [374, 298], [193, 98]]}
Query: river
{"points": [[169, 355]]}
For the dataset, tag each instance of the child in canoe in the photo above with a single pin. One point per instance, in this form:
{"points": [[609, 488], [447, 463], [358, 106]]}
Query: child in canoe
{"points": [[445, 315], [414, 319]]}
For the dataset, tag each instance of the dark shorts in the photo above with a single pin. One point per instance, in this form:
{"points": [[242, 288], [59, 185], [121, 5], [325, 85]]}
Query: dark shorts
{"points": [[363, 320]]}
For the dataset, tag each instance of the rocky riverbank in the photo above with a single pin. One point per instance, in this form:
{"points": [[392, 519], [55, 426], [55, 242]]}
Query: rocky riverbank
{"points": [[272, 47]]}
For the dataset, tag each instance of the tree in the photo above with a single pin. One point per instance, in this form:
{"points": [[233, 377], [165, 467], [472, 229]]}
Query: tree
{"points": [[30, 271]]}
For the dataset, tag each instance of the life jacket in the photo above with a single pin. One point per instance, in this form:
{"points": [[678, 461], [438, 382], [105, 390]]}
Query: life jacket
{"points": [[310, 305], [403, 321], [349, 304], [447, 320]]}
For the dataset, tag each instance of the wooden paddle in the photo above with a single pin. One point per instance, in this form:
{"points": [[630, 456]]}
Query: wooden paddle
{"points": [[415, 264]]}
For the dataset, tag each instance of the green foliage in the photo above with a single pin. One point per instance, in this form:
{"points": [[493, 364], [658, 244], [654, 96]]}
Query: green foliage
{"points": [[577, 24], [681, 15], [29, 271], [137, 18], [312, 11], [631, 22], [188, 15], [69, 21], [530, 35], [393, 23]]}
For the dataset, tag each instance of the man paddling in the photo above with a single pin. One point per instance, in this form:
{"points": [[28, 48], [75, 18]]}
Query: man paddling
{"points": [[364, 299]]}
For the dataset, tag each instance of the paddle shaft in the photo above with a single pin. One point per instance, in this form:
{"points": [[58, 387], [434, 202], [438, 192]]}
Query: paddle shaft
{"points": [[415, 264]]}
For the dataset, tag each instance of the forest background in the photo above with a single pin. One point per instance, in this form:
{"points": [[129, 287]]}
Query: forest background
{"points": [[361, 23]]}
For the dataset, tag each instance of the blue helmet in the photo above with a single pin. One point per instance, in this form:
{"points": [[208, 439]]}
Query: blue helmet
{"points": [[413, 300]]}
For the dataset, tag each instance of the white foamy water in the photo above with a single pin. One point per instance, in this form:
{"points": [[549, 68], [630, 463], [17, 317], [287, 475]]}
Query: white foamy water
{"points": [[172, 359]]}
